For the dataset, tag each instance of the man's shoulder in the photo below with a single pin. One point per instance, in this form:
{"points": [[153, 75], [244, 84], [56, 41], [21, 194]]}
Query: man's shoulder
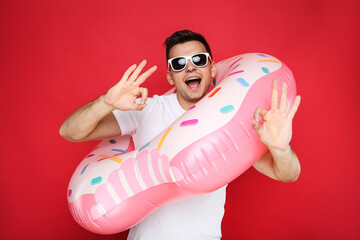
{"points": [[165, 96], [168, 98]]}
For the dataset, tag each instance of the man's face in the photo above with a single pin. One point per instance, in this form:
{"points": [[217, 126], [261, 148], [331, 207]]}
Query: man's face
{"points": [[193, 82]]}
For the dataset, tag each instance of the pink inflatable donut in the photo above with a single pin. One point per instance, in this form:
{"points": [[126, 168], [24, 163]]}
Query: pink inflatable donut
{"points": [[115, 187]]}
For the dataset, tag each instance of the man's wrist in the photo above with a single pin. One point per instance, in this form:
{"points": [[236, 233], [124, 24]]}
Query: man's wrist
{"points": [[280, 153], [104, 106]]}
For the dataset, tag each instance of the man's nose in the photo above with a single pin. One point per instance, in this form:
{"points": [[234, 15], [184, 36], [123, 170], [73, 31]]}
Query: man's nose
{"points": [[190, 66]]}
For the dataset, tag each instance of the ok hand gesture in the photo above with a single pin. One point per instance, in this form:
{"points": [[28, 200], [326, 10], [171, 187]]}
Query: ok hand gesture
{"points": [[122, 96], [276, 129]]}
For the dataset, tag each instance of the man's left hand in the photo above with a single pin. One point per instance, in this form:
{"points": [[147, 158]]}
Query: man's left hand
{"points": [[276, 129]]}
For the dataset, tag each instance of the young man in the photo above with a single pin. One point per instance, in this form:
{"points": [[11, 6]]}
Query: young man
{"points": [[117, 112]]}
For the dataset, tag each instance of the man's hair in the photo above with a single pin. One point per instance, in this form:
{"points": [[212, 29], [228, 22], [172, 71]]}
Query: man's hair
{"points": [[184, 36]]}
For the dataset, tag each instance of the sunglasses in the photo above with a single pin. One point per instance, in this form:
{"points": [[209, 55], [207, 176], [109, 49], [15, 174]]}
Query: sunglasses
{"points": [[179, 63]]}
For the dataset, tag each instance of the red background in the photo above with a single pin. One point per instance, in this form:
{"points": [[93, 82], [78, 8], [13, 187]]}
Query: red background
{"points": [[59, 55]]}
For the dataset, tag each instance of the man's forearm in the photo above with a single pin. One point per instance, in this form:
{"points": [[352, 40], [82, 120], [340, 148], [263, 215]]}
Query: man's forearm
{"points": [[84, 120], [286, 164]]}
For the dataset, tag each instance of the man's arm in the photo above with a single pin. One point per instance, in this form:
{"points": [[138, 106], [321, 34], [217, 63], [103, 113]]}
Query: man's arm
{"points": [[95, 120], [92, 121], [279, 165], [280, 162]]}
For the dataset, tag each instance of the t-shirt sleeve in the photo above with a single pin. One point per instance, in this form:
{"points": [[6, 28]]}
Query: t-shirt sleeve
{"points": [[127, 121]]}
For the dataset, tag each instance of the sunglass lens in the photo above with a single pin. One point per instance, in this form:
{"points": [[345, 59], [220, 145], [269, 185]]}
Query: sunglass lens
{"points": [[199, 60], [178, 63]]}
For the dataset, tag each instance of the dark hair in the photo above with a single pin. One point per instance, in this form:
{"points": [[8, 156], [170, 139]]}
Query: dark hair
{"points": [[182, 37]]}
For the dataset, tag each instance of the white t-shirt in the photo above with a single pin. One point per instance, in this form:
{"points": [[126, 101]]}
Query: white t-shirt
{"points": [[197, 218]]}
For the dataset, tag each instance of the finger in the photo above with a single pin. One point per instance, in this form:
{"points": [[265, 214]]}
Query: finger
{"points": [[145, 75], [127, 73], [274, 94], [137, 71], [138, 107], [283, 97], [256, 125], [259, 112], [144, 95], [294, 107]]}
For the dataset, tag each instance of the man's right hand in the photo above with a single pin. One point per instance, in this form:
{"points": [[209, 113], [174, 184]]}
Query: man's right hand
{"points": [[95, 120], [122, 96]]}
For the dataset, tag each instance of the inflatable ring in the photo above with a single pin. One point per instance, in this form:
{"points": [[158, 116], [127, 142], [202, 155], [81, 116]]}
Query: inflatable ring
{"points": [[114, 188]]}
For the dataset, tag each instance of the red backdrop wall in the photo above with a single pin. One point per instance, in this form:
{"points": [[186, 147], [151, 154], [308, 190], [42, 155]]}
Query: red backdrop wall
{"points": [[59, 55]]}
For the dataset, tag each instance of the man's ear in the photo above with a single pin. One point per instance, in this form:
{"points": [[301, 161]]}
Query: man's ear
{"points": [[169, 77], [213, 69]]}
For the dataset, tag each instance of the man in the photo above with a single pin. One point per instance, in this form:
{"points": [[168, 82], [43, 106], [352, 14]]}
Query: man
{"points": [[113, 114]]}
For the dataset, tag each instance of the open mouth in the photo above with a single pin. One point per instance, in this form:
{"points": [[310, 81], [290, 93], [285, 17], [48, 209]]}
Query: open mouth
{"points": [[193, 82]]}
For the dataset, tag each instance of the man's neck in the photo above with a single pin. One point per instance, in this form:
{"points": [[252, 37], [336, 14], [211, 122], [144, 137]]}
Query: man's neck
{"points": [[186, 105]]}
